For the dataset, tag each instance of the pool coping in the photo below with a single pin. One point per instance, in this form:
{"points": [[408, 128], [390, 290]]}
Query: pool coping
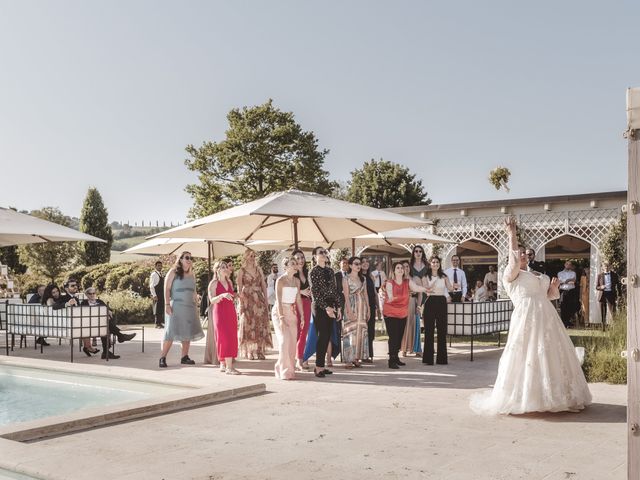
{"points": [[192, 396]]}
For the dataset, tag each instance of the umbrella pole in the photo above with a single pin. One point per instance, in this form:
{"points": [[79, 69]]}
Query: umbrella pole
{"points": [[295, 232], [353, 247], [209, 252]]}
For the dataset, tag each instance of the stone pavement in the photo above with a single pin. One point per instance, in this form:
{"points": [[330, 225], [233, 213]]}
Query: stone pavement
{"points": [[371, 422]]}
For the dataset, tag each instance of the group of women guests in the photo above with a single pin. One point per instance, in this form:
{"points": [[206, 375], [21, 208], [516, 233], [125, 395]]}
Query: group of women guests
{"points": [[239, 317]]}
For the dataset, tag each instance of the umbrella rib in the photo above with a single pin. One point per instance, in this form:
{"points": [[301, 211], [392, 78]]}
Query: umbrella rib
{"points": [[275, 223], [175, 249], [320, 230], [258, 227], [365, 227], [43, 238]]}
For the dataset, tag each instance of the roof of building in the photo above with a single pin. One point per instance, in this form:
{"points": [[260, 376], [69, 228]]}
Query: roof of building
{"points": [[556, 199]]}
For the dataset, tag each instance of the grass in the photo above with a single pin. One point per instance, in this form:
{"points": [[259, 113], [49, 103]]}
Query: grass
{"points": [[602, 362]]}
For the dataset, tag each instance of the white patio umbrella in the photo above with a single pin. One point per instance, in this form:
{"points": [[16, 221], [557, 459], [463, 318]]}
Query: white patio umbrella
{"points": [[401, 236], [198, 247], [293, 216], [21, 229]]}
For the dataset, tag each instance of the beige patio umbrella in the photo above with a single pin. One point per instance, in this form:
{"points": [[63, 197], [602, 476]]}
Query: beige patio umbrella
{"points": [[21, 229], [198, 247], [293, 216], [403, 236]]}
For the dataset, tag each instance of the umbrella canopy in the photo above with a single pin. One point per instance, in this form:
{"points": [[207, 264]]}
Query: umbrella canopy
{"points": [[20, 229], [198, 247], [293, 216], [390, 238]]}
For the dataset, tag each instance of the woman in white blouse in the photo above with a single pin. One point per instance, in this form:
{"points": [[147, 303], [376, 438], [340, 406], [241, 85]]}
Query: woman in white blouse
{"points": [[285, 319]]}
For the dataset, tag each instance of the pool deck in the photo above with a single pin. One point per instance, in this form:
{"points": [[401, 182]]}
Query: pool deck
{"points": [[371, 422]]}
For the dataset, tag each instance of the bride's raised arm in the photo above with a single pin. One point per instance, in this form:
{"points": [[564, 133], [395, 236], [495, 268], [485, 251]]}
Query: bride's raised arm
{"points": [[513, 267]]}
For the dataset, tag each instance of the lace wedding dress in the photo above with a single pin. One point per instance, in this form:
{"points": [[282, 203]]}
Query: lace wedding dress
{"points": [[539, 370]]}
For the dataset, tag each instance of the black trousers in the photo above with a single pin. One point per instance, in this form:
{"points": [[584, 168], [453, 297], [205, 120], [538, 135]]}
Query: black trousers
{"points": [[456, 297], [371, 329], [435, 316], [323, 324], [608, 298], [568, 303], [160, 310], [113, 330], [395, 330]]}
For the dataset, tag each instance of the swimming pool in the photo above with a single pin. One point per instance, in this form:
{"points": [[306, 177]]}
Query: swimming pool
{"points": [[9, 475], [30, 393], [39, 399]]}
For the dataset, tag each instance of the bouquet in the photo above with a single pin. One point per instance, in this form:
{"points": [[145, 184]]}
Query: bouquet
{"points": [[499, 177]]}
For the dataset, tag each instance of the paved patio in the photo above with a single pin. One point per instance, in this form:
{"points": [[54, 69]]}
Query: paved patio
{"points": [[371, 422]]}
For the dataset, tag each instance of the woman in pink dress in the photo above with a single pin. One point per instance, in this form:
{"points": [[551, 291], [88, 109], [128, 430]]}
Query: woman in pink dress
{"points": [[305, 314], [225, 320], [285, 319]]}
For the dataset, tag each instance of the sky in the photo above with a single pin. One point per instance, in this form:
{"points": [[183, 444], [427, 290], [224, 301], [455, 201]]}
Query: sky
{"points": [[107, 94]]}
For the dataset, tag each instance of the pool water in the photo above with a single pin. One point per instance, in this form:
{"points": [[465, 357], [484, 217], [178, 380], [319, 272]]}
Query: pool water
{"points": [[8, 475], [32, 393]]}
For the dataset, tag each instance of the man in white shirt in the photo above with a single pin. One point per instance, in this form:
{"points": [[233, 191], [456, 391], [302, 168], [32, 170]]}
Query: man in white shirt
{"points": [[458, 280], [492, 276], [480, 294], [271, 285], [568, 293], [156, 286]]}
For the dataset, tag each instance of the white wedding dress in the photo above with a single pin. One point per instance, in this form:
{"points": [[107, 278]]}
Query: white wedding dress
{"points": [[539, 370]]}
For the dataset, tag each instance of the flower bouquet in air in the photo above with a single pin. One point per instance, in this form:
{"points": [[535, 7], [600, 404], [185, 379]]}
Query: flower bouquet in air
{"points": [[499, 177]]}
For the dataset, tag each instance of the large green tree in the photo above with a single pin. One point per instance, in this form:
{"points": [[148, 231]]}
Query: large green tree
{"points": [[264, 151], [94, 220], [50, 258], [384, 184]]}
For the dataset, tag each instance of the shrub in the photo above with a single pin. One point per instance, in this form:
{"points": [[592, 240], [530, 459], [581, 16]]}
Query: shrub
{"points": [[129, 307], [28, 283], [114, 276], [602, 362]]}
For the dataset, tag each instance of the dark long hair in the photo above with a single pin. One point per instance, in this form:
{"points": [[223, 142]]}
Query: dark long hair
{"points": [[47, 293], [305, 269], [440, 272], [314, 254], [178, 265], [360, 274], [412, 262]]}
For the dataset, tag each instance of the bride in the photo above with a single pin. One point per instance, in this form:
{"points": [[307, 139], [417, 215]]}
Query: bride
{"points": [[539, 370]]}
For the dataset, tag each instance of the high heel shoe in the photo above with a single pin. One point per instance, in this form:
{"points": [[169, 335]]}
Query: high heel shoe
{"points": [[88, 352]]}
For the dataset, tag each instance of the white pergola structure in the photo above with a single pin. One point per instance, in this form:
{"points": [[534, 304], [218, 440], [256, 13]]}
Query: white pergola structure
{"points": [[541, 220]]}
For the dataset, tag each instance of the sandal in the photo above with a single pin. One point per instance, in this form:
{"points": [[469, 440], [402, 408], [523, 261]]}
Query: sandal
{"points": [[261, 356], [233, 371], [329, 363]]}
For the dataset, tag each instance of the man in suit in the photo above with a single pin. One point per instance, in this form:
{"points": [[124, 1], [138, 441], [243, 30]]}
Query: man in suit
{"points": [[608, 287], [93, 300], [458, 280], [156, 286], [532, 264]]}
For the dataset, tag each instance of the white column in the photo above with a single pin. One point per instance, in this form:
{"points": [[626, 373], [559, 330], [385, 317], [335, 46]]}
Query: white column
{"points": [[594, 268]]}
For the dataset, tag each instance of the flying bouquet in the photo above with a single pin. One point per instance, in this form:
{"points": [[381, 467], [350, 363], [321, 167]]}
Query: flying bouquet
{"points": [[499, 177]]}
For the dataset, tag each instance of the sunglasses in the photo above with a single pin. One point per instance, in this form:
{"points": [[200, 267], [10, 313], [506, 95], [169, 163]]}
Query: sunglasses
{"points": [[322, 252], [186, 257], [357, 264], [73, 285]]}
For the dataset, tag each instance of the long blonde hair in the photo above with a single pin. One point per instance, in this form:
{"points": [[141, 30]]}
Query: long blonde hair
{"points": [[245, 259]]}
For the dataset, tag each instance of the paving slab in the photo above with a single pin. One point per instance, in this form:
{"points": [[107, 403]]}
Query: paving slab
{"points": [[380, 423]]}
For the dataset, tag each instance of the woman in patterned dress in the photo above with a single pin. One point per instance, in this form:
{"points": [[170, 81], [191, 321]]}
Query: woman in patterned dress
{"points": [[355, 338], [411, 337], [253, 309]]}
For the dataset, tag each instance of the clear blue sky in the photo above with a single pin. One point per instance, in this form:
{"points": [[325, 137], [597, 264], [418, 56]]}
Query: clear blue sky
{"points": [[109, 93]]}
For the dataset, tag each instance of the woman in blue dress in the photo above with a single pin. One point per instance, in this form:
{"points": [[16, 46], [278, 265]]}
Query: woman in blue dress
{"points": [[182, 322]]}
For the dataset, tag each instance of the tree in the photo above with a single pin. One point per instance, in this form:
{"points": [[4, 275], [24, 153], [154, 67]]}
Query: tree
{"points": [[94, 220], [614, 246], [384, 184], [9, 256], [50, 258], [264, 151]]}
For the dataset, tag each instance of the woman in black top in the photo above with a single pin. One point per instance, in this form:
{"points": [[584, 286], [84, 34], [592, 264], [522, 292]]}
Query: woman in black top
{"points": [[373, 302], [325, 301], [305, 316]]}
